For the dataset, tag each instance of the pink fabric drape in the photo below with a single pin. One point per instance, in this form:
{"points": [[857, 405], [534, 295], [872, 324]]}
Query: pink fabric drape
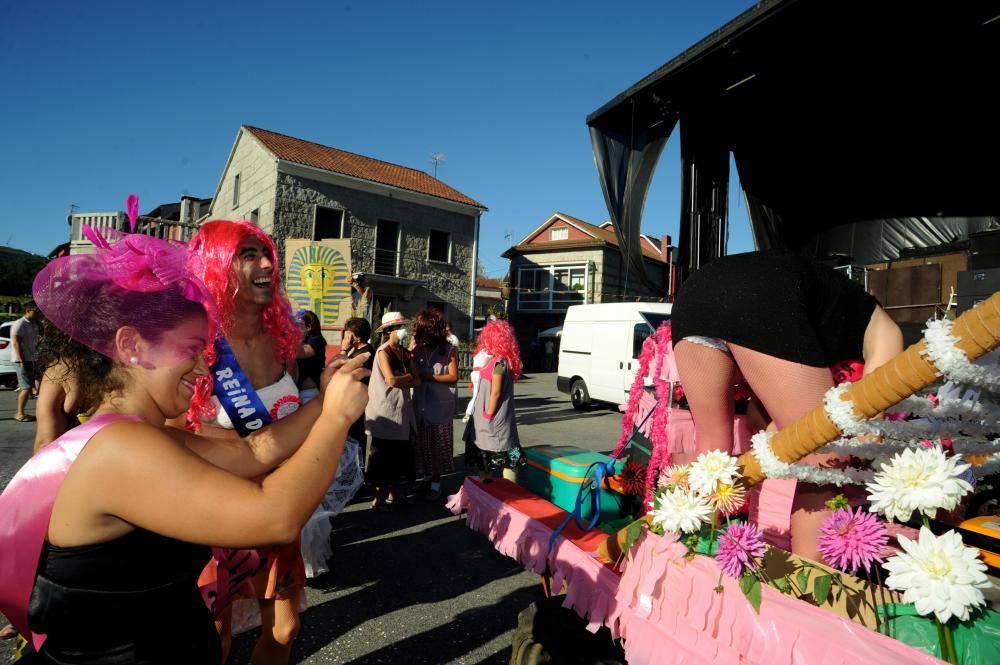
{"points": [[664, 607], [25, 510]]}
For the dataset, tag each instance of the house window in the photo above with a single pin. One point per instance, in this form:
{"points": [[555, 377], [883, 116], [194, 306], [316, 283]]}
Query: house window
{"points": [[386, 247], [236, 190], [328, 223], [255, 216], [559, 233], [552, 288], [439, 246]]}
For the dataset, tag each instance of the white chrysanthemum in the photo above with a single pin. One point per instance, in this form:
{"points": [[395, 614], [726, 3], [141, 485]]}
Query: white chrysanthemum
{"points": [[680, 511], [711, 468], [938, 574], [917, 479]]}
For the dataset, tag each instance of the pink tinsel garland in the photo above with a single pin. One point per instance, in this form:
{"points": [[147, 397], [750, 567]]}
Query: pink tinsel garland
{"points": [[654, 352], [660, 459]]}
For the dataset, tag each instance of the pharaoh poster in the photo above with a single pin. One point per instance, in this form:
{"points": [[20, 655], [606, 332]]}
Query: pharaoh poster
{"points": [[318, 278]]}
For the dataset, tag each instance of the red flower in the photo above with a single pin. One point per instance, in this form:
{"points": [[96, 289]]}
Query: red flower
{"points": [[634, 478]]}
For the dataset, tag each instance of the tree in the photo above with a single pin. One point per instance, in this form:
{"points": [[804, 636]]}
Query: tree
{"points": [[17, 271]]}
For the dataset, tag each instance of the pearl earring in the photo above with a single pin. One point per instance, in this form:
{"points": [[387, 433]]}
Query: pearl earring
{"points": [[134, 360]]}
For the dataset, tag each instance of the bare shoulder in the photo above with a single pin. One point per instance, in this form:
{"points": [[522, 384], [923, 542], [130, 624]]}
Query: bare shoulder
{"points": [[122, 444]]}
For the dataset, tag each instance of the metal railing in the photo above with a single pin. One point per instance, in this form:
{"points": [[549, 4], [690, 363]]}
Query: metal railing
{"points": [[118, 221], [385, 262]]}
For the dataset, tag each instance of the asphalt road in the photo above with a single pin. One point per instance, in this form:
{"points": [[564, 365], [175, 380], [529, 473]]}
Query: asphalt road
{"points": [[414, 586]]}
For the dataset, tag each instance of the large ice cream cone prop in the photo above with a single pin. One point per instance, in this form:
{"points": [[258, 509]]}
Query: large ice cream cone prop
{"points": [[977, 332]]}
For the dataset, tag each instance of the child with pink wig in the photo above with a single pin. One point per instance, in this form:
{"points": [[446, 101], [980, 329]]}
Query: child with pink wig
{"points": [[497, 445]]}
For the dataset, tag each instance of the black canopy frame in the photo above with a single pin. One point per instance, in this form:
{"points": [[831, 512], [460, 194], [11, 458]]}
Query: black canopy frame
{"points": [[834, 112]]}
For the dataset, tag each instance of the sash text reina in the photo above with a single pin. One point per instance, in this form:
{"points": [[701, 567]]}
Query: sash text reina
{"points": [[240, 400]]}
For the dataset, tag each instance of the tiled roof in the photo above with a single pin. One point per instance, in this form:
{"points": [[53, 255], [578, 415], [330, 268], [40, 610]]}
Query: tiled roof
{"points": [[489, 282], [601, 237], [324, 157]]}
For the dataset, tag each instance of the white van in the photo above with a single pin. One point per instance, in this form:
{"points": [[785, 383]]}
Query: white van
{"points": [[599, 349]]}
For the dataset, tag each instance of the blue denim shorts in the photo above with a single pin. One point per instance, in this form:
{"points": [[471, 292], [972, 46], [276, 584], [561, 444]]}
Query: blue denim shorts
{"points": [[25, 375]]}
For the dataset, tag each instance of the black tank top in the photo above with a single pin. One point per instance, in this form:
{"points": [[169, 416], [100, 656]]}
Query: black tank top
{"points": [[132, 600]]}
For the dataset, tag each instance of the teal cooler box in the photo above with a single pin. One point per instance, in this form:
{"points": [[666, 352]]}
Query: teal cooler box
{"points": [[556, 474]]}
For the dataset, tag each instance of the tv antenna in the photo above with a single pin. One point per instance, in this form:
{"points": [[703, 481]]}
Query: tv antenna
{"points": [[437, 158], [509, 237]]}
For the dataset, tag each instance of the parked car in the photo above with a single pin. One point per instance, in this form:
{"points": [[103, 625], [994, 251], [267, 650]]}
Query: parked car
{"points": [[8, 369], [599, 349]]}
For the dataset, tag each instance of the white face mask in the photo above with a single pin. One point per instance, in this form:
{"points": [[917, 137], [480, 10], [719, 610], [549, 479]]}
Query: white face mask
{"points": [[403, 336], [453, 340]]}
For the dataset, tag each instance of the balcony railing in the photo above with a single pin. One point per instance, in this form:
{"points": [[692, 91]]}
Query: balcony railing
{"points": [[385, 262], [118, 221]]}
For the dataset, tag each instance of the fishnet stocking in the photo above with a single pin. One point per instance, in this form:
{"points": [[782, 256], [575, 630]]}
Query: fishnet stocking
{"points": [[707, 376]]}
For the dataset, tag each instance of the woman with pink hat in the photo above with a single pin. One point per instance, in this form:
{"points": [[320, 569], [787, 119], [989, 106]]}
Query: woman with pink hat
{"points": [[389, 416], [105, 530]]}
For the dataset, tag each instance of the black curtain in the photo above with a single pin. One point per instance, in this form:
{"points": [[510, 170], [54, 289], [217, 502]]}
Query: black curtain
{"points": [[625, 154], [704, 190]]}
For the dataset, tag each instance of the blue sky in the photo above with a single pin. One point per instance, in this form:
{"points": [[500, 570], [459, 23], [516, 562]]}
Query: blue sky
{"points": [[103, 99]]}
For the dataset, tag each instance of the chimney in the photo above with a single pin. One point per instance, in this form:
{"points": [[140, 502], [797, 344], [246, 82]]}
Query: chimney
{"points": [[185, 215], [665, 248]]}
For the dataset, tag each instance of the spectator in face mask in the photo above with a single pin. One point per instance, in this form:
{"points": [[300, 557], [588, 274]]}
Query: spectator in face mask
{"points": [[390, 417]]}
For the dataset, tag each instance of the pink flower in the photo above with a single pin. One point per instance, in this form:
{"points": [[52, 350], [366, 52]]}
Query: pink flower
{"points": [[852, 540], [894, 416], [738, 547], [934, 400]]}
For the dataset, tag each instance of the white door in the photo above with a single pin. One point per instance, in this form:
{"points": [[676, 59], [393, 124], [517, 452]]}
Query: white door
{"points": [[611, 353]]}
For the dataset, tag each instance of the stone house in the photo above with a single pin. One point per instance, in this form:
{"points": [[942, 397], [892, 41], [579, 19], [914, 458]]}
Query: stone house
{"points": [[414, 239], [567, 261]]}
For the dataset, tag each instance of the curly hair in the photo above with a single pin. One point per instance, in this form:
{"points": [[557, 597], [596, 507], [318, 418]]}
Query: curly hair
{"points": [[498, 340], [93, 372], [217, 242], [430, 329], [360, 327]]}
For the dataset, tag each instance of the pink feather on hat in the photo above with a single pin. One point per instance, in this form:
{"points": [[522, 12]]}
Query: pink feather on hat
{"points": [[132, 208]]}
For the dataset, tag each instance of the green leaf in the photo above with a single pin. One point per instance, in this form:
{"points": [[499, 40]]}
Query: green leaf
{"points": [[782, 584], [632, 533], [750, 586], [802, 579], [821, 588]]}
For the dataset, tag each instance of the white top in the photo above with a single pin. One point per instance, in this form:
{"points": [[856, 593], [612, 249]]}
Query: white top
{"points": [[281, 399], [28, 334]]}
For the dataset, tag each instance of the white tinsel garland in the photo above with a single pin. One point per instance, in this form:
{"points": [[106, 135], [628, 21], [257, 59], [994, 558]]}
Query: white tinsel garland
{"points": [[966, 410], [775, 468], [927, 428], [840, 411], [952, 362], [887, 447]]}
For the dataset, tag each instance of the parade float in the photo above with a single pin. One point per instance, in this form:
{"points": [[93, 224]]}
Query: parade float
{"points": [[811, 101]]}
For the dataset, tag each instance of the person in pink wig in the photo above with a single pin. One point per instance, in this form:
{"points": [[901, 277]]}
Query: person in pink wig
{"points": [[105, 530], [262, 341], [497, 445]]}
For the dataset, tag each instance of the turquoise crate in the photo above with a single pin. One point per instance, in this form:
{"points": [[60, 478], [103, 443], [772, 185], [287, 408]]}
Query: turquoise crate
{"points": [[556, 474]]}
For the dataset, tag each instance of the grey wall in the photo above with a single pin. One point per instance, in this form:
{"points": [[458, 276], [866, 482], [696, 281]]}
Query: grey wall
{"points": [[295, 201]]}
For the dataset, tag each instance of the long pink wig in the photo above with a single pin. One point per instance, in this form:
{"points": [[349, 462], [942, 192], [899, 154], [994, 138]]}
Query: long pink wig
{"points": [[217, 242], [498, 340]]}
